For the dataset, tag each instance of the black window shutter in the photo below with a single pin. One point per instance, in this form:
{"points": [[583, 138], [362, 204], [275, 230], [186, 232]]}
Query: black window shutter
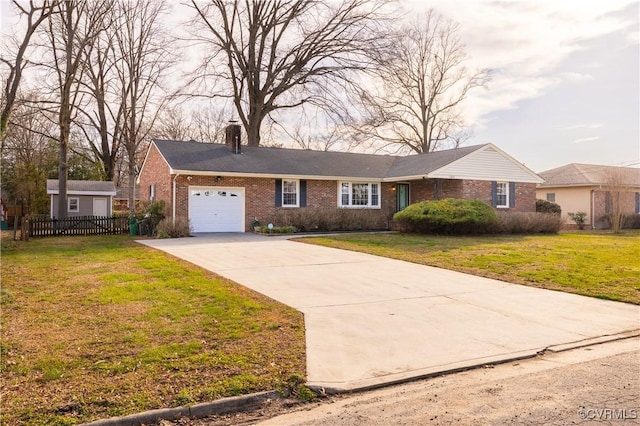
{"points": [[494, 193], [303, 193], [278, 192], [512, 194], [637, 202]]}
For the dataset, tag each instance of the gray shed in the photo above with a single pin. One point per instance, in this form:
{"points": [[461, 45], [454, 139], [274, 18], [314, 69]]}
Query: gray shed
{"points": [[84, 197]]}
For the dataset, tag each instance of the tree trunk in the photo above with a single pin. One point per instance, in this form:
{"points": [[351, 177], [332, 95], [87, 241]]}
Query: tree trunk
{"points": [[132, 178], [63, 167]]}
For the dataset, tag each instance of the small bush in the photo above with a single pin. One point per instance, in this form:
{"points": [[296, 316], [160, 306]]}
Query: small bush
{"points": [[579, 218], [528, 223], [151, 213], [448, 216], [168, 229], [632, 221], [277, 229], [544, 206], [324, 219]]}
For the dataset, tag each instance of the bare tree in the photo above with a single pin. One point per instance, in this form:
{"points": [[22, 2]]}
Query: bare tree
{"points": [[279, 55], [142, 59], [29, 157], [35, 15], [618, 182], [417, 86], [205, 124], [101, 119], [72, 29], [319, 131], [173, 124]]}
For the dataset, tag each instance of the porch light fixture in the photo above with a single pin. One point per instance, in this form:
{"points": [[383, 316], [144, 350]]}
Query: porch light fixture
{"points": [[219, 178]]}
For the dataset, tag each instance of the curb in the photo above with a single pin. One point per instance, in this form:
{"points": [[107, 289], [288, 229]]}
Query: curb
{"points": [[206, 409]]}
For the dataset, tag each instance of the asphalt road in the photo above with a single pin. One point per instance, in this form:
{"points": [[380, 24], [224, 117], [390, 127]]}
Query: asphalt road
{"points": [[593, 385]]}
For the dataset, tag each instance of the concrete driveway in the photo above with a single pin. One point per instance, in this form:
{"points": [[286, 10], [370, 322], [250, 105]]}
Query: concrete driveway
{"points": [[371, 321]]}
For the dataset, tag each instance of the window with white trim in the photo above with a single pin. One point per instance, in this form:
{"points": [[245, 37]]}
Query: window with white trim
{"points": [[359, 194], [551, 196], [290, 193], [502, 194], [73, 204]]}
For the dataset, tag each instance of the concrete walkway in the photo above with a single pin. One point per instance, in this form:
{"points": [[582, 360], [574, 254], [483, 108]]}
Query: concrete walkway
{"points": [[371, 321]]}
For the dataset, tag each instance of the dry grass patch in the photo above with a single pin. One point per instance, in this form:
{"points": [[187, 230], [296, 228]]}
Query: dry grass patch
{"points": [[94, 327], [601, 264]]}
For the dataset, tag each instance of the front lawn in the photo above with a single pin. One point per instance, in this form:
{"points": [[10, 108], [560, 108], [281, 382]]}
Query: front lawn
{"points": [[593, 264], [94, 327]]}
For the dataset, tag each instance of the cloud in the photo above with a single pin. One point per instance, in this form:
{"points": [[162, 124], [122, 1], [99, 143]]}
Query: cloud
{"points": [[527, 40], [589, 139], [583, 126]]}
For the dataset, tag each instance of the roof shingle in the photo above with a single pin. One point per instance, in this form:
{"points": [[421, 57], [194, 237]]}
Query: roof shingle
{"points": [[576, 174], [205, 157]]}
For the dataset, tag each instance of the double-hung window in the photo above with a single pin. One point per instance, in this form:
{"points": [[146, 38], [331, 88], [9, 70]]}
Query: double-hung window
{"points": [[290, 193], [73, 205], [359, 194], [502, 194]]}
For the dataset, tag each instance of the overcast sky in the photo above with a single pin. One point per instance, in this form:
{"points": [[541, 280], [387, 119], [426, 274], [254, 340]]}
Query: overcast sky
{"points": [[566, 77], [566, 83]]}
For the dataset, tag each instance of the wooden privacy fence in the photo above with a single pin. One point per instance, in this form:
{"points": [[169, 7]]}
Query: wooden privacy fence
{"points": [[80, 225]]}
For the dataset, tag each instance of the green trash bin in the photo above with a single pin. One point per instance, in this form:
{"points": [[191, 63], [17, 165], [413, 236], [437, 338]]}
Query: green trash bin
{"points": [[133, 225]]}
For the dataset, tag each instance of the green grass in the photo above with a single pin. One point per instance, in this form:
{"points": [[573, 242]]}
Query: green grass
{"points": [[94, 327], [600, 265]]}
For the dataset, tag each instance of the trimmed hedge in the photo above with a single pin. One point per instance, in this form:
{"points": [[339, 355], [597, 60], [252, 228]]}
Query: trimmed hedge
{"points": [[327, 219], [448, 216], [544, 206], [528, 223]]}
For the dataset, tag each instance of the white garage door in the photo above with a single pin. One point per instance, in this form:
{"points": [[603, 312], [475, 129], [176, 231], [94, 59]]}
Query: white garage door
{"points": [[215, 209]]}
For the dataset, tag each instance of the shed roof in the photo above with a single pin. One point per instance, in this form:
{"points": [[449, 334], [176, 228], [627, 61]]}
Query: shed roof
{"points": [[80, 187]]}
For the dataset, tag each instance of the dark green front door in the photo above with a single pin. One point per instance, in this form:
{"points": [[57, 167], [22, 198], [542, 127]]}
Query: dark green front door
{"points": [[402, 196]]}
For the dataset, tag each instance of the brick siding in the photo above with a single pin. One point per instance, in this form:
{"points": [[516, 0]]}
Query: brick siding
{"points": [[260, 192]]}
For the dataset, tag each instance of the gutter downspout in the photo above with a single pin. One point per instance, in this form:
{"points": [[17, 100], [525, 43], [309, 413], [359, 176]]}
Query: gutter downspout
{"points": [[173, 199]]}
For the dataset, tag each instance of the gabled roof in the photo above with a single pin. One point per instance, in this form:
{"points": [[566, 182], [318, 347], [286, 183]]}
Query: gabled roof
{"points": [[188, 157], [575, 174], [82, 187], [206, 158]]}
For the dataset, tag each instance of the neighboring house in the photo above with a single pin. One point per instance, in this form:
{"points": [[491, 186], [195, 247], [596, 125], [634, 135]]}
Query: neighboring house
{"points": [[586, 188], [224, 187], [121, 199], [84, 197]]}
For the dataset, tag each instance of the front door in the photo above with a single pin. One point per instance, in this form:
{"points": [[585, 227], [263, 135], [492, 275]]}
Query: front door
{"points": [[402, 196]]}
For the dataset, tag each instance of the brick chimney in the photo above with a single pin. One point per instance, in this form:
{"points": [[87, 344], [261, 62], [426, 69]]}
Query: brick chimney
{"points": [[232, 137]]}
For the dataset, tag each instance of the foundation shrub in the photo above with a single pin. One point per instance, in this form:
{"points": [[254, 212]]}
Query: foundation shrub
{"points": [[326, 219], [168, 229], [528, 223], [544, 206], [631, 221], [448, 216]]}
